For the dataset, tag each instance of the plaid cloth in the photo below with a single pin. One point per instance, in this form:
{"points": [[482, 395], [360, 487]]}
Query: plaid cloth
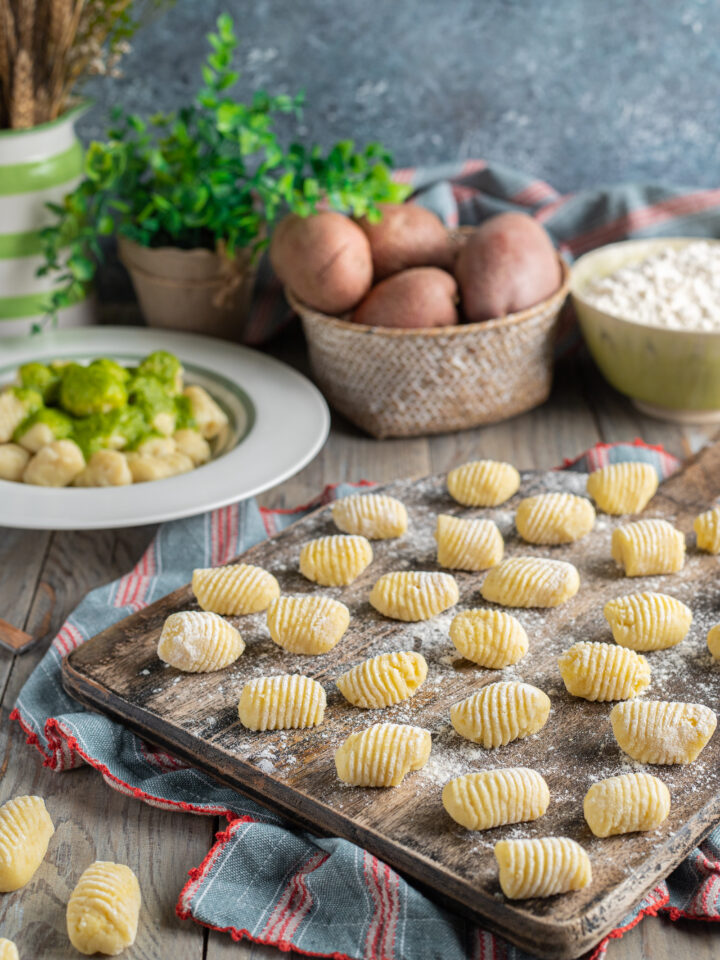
{"points": [[469, 192], [263, 879]]}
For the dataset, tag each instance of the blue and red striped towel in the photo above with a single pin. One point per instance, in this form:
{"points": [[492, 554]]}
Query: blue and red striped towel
{"points": [[467, 193], [263, 879]]}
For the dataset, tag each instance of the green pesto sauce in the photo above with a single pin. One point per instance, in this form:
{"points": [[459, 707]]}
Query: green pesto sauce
{"points": [[103, 405]]}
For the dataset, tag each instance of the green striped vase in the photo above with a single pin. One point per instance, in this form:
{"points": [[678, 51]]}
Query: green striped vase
{"points": [[37, 166]]}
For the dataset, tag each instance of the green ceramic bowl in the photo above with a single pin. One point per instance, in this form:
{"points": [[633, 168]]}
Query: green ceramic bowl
{"points": [[673, 374]]}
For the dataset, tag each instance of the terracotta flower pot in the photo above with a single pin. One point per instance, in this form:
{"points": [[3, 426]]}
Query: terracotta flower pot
{"points": [[198, 291]]}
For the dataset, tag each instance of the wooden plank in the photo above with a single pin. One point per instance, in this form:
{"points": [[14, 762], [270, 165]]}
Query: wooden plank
{"points": [[196, 716], [538, 440], [92, 821]]}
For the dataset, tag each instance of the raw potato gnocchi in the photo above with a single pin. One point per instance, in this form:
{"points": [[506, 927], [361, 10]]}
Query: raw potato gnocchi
{"points": [[467, 544], [25, 832], [105, 468], [541, 867], [623, 487], [8, 950], [713, 641], [197, 642], [659, 731], [372, 515], [648, 547], [490, 638], [286, 702], [626, 804], [381, 755], [553, 518], [531, 582], [501, 712], [483, 483], [55, 465], [412, 595], [307, 625], [103, 910], [601, 671], [493, 798], [335, 561], [383, 680], [13, 460], [235, 589], [648, 621], [707, 530]]}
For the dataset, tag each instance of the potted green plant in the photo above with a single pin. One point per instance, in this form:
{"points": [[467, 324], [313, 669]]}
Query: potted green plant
{"points": [[191, 195], [47, 49]]}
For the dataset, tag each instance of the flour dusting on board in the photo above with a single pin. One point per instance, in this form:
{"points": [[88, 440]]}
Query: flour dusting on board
{"points": [[574, 749]]}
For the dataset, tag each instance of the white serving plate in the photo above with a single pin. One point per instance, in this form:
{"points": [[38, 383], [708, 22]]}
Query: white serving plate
{"points": [[279, 421]]}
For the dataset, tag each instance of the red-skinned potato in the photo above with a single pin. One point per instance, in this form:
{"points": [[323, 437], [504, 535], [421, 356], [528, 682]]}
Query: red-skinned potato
{"points": [[506, 265], [324, 259], [407, 236], [419, 297]]}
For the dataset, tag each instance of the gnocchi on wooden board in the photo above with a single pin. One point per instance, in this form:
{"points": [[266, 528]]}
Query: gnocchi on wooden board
{"points": [[384, 753]]}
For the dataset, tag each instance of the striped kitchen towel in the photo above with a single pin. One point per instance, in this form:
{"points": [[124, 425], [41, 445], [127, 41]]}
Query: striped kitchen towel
{"points": [[262, 879], [466, 193]]}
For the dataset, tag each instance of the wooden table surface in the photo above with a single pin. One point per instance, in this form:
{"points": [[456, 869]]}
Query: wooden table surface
{"points": [[44, 575]]}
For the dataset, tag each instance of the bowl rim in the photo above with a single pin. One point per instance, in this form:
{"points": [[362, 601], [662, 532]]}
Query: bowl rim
{"points": [[509, 320], [638, 242]]}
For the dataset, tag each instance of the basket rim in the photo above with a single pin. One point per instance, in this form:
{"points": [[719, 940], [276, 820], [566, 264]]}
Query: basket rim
{"points": [[554, 301]]}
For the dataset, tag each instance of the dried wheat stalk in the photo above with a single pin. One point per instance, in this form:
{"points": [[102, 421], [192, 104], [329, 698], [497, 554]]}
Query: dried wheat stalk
{"points": [[46, 47]]}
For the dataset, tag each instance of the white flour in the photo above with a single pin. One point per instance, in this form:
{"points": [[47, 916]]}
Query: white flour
{"points": [[676, 288]]}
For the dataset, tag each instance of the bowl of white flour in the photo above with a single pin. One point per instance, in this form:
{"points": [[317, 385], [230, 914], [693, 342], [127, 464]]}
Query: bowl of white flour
{"points": [[650, 314]]}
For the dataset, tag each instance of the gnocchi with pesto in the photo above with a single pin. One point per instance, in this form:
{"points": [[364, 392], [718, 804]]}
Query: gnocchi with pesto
{"points": [[102, 424]]}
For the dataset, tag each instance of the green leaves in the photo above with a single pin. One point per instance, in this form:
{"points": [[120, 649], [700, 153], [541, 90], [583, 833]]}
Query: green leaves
{"points": [[213, 172]]}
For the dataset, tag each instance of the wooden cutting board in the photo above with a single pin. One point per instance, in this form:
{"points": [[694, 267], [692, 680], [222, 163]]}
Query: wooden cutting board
{"points": [[194, 716]]}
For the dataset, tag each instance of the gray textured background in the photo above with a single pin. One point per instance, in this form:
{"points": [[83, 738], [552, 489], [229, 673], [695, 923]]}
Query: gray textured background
{"points": [[580, 92]]}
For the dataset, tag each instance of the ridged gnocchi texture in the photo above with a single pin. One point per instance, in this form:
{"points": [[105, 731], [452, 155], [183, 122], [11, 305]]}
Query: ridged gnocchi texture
{"points": [[8, 950], [707, 530], [501, 712], [307, 625], [13, 460], [335, 561], [55, 465], [713, 641], [414, 595], [541, 867], [552, 518], [623, 487], [235, 589], [648, 547], [199, 642], [625, 804], [492, 798], [12, 413], [25, 832], [531, 582], [372, 515], [659, 731], [383, 680], [146, 468], [467, 544], [103, 910], [192, 444], [490, 638], [381, 755], [286, 702], [647, 621], [483, 483], [602, 671]]}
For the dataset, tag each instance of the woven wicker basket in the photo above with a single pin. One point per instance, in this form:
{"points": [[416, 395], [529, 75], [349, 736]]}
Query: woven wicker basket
{"points": [[404, 383]]}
